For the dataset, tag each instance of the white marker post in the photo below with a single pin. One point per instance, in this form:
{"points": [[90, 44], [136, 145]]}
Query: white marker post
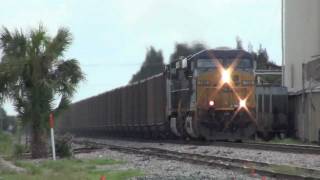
{"points": [[52, 136]]}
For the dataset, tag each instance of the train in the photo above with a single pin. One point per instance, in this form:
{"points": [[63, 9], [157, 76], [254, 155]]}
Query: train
{"points": [[208, 95]]}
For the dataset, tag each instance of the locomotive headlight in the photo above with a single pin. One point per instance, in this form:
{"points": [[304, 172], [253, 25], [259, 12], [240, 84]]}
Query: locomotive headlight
{"points": [[242, 103], [211, 103], [225, 76]]}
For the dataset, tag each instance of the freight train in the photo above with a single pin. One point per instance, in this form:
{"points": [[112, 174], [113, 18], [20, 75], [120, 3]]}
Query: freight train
{"points": [[208, 95]]}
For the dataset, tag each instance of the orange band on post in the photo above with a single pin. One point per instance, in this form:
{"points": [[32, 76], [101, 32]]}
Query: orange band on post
{"points": [[51, 120]]}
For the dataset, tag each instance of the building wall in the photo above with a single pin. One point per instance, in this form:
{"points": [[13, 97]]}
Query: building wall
{"points": [[301, 38], [304, 114], [301, 41]]}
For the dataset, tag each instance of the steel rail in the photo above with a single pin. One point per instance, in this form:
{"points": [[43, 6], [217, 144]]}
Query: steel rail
{"points": [[288, 148]]}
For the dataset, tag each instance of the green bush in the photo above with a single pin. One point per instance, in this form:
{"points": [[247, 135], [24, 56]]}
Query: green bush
{"points": [[6, 146], [18, 151], [63, 146]]}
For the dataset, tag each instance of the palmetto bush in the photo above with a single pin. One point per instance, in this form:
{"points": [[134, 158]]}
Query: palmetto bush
{"points": [[33, 74]]}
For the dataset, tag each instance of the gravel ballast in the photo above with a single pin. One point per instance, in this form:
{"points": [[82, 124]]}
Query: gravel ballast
{"points": [[162, 169], [311, 161]]}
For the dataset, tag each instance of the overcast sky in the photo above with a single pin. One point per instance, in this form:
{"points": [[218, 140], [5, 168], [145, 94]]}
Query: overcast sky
{"points": [[111, 36]]}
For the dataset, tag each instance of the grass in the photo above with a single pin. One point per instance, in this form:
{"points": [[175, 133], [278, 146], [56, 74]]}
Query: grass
{"points": [[286, 141], [71, 169], [65, 169], [104, 162], [6, 144], [290, 141], [285, 169], [9, 148]]}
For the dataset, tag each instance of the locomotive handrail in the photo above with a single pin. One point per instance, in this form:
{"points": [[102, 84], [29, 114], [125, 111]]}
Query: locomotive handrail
{"points": [[268, 72]]}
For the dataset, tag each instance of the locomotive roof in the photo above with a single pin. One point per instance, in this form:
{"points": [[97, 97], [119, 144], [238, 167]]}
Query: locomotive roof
{"points": [[218, 53], [221, 54]]}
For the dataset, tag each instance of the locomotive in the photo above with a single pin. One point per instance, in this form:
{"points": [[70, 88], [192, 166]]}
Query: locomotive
{"points": [[208, 95], [213, 95]]}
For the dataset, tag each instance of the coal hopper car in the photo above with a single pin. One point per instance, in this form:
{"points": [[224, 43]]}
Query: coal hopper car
{"points": [[138, 109]]}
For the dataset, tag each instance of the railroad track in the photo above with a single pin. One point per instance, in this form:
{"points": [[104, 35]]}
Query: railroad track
{"points": [[288, 148], [292, 148], [85, 149], [248, 166]]}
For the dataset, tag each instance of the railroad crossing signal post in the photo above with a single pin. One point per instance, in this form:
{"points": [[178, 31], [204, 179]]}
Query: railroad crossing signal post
{"points": [[52, 136]]}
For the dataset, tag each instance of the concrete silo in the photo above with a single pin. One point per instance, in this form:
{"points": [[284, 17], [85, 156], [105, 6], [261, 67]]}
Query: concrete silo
{"points": [[301, 73]]}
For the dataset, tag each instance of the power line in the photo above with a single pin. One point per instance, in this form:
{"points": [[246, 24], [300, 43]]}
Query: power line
{"points": [[94, 65]]}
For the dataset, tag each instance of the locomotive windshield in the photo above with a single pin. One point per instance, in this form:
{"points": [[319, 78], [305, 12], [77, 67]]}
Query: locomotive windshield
{"points": [[206, 63], [242, 64], [210, 63]]}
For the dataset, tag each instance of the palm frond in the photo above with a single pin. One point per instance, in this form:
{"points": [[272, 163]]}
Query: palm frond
{"points": [[63, 105], [68, 74], [5, 38], [38, 41], [13, 44], [58, 45]]}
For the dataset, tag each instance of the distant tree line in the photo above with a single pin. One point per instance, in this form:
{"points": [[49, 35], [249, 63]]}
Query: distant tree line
{"points": [[184, 50], [154, 62], [263, 62], [260, 56]]}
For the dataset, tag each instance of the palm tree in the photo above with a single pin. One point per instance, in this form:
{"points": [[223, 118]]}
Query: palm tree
{"points": [[34, 75]]}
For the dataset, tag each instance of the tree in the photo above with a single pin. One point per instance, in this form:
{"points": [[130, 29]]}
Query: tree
{"points": [[152, 65], [239, 43], [262, 58], [7, 123], [34, 73], [3, 118], [184, 50]]}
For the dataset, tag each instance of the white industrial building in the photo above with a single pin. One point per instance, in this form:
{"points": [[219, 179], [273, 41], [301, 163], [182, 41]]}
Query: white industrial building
{"points": [[301, 69]]}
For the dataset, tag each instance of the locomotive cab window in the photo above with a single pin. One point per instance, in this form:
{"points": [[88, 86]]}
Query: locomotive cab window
{"points": [[206, 63], [242, 63], [245, 64]]}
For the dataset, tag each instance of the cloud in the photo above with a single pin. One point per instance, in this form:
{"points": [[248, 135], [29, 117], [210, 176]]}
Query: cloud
{"points": [[28, 14]]}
